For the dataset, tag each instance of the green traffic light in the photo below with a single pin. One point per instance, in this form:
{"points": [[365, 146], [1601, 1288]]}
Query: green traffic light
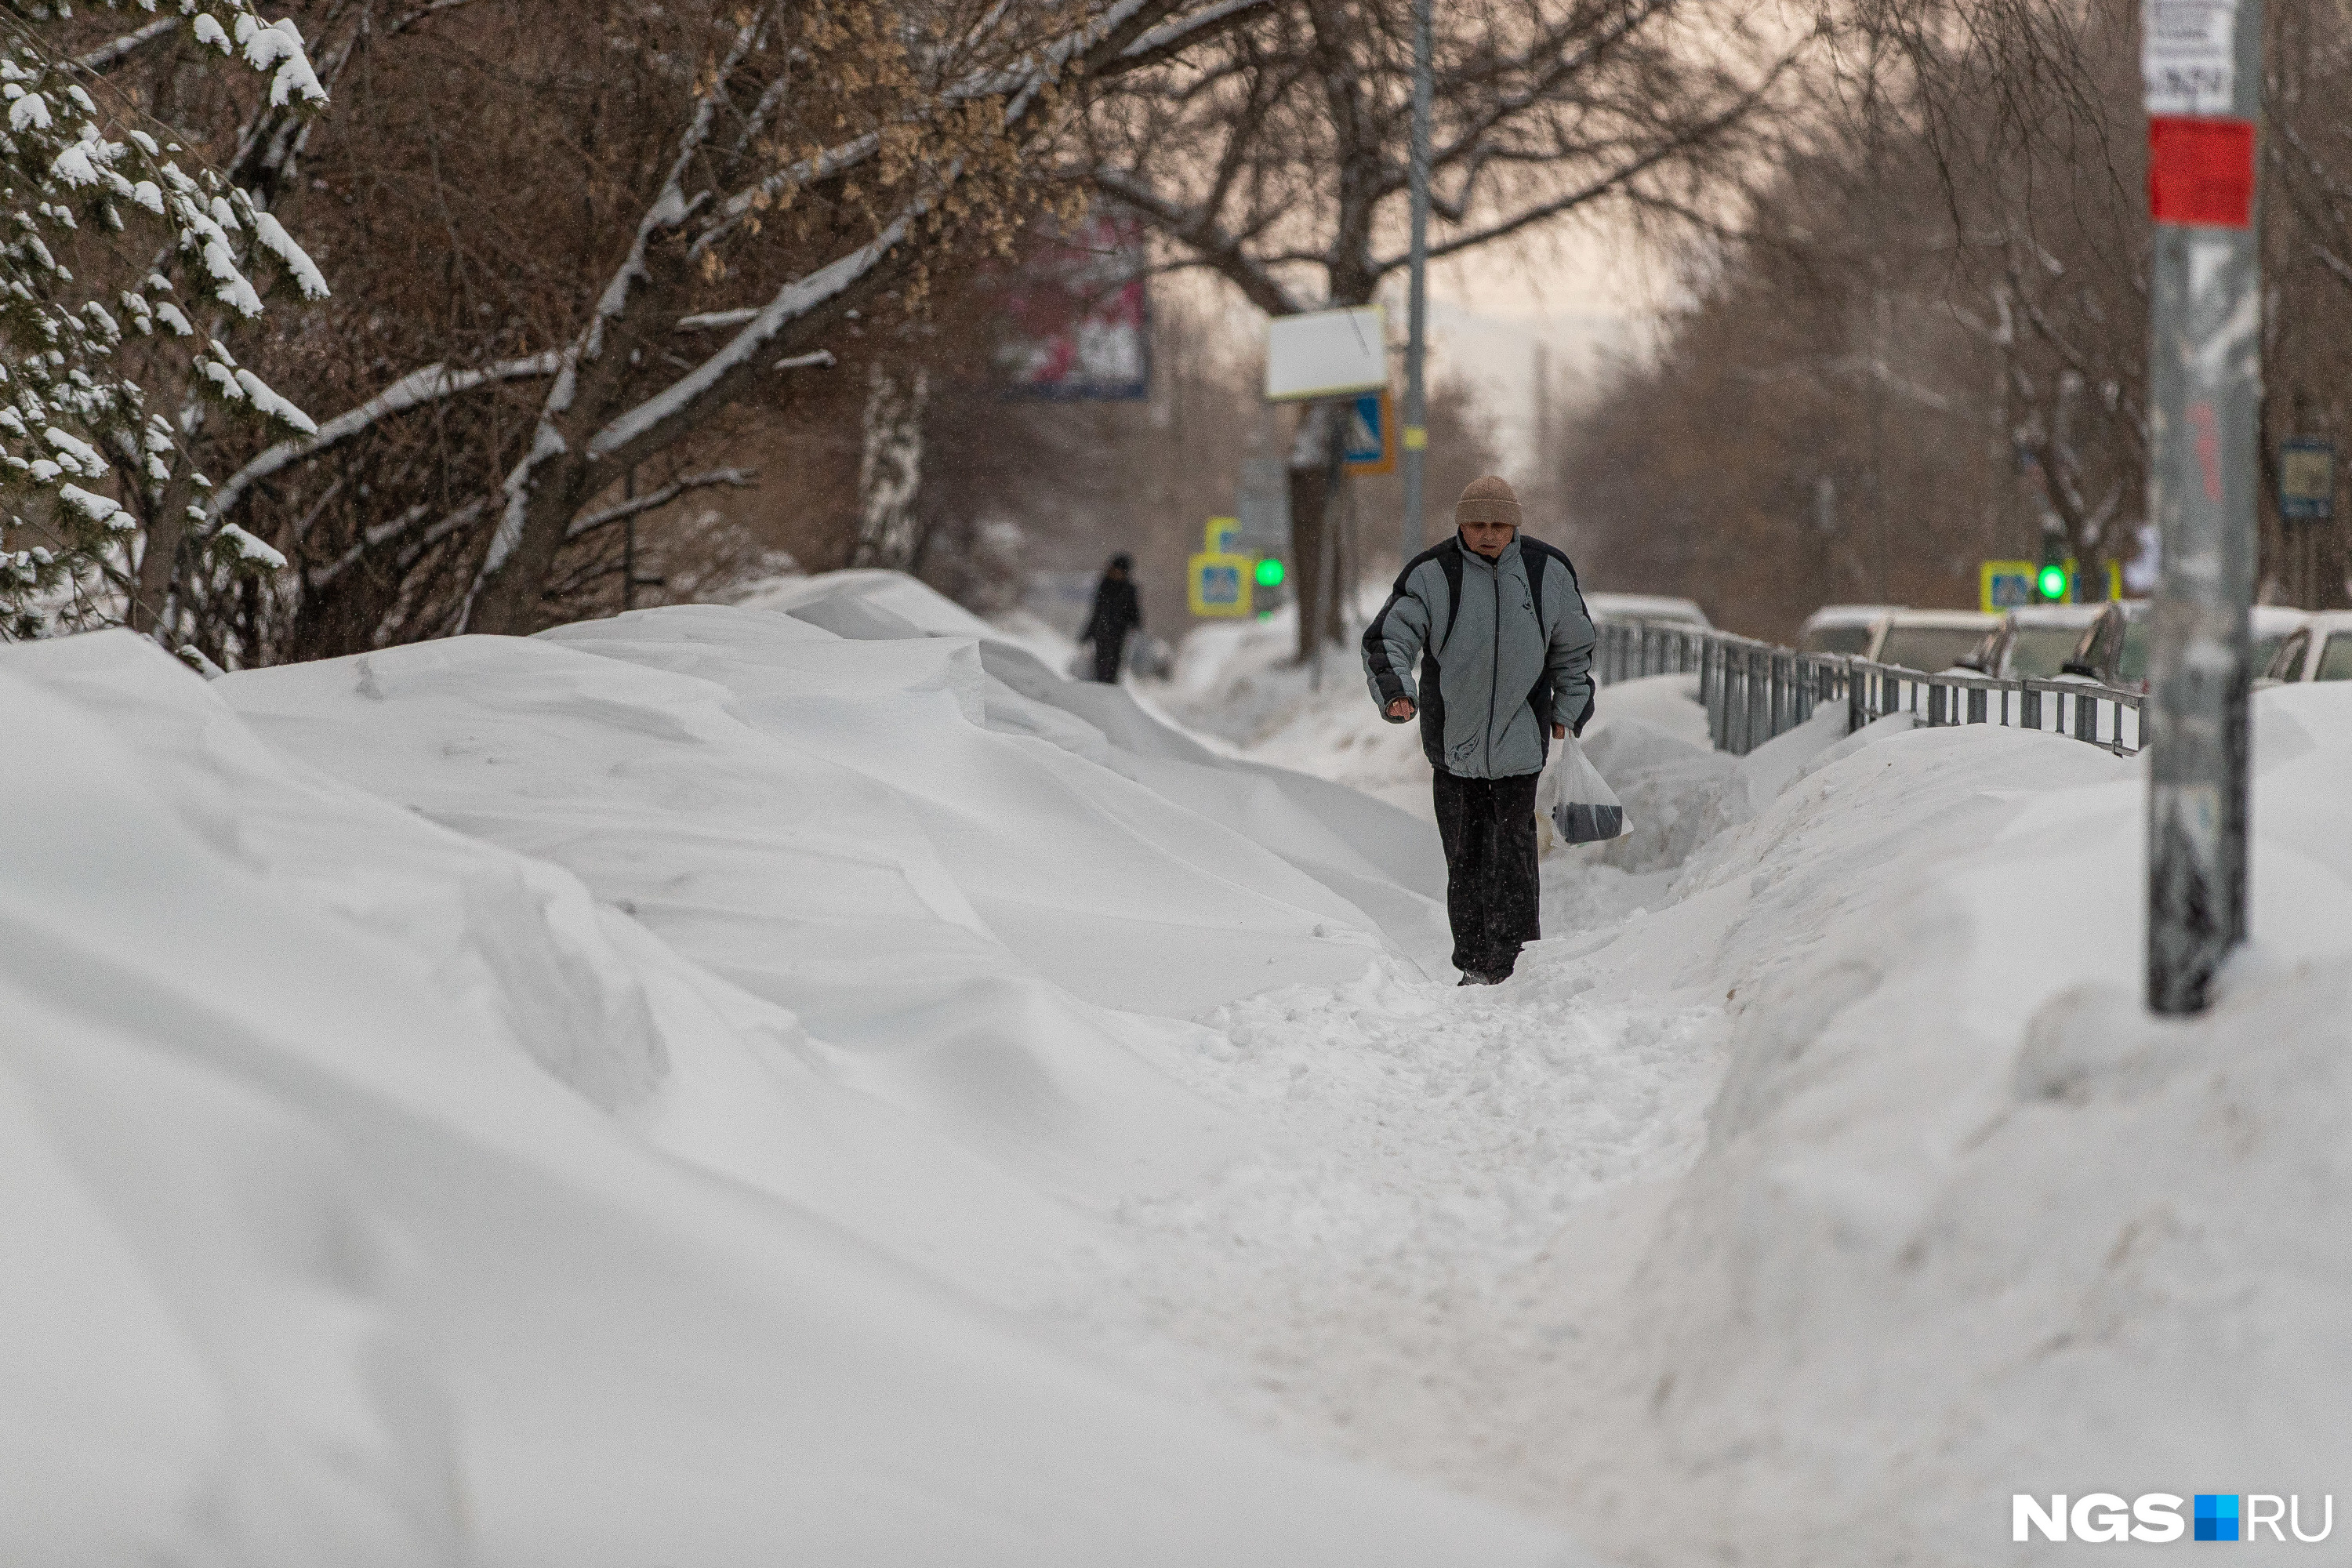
{"points": [[2053, 582], [1269, 573]]}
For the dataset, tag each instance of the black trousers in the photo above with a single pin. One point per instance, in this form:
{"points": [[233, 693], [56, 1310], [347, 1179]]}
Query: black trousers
{"points": [[1492, 892], [1107, 649]]}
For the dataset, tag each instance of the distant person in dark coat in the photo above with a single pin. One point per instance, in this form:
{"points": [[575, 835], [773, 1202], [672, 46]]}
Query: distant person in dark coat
{"points": [[1118, 614]]}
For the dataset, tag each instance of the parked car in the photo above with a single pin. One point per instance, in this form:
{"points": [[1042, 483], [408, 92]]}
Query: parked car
{"points": [[1842, 628], [2033, 641], [1928, 640], [2272, 624], [2318, 649], [1638, 609], [2113, 648]]}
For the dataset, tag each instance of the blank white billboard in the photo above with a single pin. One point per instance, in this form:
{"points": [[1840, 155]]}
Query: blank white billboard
{"points": [[1326, 353]]}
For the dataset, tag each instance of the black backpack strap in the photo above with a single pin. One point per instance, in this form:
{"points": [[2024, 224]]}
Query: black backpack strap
{"points": [[1447, 554], [1533, 556]]}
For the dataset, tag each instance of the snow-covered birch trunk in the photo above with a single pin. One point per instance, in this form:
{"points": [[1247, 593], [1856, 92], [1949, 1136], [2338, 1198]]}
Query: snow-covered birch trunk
{"points": [[890, 468]]}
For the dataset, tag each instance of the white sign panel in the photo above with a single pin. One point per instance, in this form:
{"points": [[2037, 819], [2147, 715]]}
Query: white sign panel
{"points": [[1326, 353], [2188, 56]]}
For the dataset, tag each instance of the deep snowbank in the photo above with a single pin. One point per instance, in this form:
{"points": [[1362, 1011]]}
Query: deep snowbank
{"points": [[1966, 1222], [723, 1086], [379, 1191]]}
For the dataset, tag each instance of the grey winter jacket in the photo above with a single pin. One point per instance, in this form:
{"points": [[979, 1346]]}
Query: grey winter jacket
{"points": [[1504, 648]]}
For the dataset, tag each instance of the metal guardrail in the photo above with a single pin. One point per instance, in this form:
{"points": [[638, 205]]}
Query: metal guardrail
{"points": [[1754, 691]]}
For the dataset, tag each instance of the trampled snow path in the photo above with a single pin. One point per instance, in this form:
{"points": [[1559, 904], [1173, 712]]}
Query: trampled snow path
{"points": [[1386, 1277], [1362, 1284]]}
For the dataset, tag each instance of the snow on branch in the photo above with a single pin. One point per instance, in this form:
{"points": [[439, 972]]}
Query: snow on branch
{"points": [[95, 179], [319, 577], [791, 303], [107, 55], [734, 478], [412, 391], [1168, 37], [717, 320]]}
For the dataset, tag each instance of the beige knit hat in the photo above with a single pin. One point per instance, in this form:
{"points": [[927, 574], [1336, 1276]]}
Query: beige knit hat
{"points": [[1487, 500]]}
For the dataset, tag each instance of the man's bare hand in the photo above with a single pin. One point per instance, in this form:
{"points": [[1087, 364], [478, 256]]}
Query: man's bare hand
{"points": [[1401, 708], [1560, 731]]}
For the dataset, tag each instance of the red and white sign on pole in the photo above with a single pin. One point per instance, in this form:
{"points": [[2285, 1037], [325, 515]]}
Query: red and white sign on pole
{"points": [[2201, 63]]}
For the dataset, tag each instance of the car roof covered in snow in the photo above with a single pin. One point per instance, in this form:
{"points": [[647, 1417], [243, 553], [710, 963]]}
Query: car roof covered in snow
{"points": [[1608, 606], [2056, 614], [1849, 615]]}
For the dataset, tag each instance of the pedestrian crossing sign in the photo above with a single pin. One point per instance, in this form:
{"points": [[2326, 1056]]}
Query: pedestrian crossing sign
{"points": [[2004, 585], [1218, 583], [1371, 443]]}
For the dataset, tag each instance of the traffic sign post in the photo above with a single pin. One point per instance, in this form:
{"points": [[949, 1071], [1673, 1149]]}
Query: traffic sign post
{"points": [[2306, 480], [2013, 584], [2202, 69], [1227, 580], [1371, 424], [1416, 396], [1218, 586], [2004, 585]]}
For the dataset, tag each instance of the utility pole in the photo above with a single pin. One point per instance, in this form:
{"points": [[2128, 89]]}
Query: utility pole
{"points": [[2203, 69], [1416, 345]]}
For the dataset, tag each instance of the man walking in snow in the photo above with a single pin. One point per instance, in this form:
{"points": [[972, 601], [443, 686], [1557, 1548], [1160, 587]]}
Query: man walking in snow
{"points": [[1498, 626], [1118, 614]]}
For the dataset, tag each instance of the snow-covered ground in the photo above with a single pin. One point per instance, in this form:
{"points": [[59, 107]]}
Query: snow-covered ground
{"points": [[802, 1081], [1237, 684]]}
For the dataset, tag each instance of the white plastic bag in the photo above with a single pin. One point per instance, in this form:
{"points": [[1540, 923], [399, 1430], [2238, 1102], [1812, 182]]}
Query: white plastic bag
{"points": [[1582, 807]]}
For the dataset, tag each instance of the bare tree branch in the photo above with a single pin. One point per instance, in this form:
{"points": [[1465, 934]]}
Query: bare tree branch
{"points": [[734, 478], [108, 56], [411, 391]]}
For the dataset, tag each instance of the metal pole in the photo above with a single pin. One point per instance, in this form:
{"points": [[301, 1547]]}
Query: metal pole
{"points": [[2203, 74], [1326, 568], [1416, 344]]}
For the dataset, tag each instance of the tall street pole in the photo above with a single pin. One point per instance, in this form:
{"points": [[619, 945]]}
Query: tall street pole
{"points": [[2203, 69], [1416, 396]]}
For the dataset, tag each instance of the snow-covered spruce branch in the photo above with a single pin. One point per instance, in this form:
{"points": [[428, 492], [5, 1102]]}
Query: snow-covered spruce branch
{"points": [[413, 390], [69, 401], [733, 479]]}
